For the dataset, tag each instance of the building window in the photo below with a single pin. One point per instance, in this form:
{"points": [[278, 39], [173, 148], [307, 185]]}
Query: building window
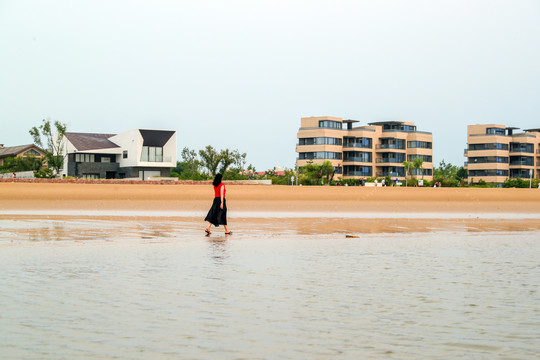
{"points": [[392, 158], [105, 159], [152, 154], [320, 141], [495, 131], [32, 152], [84, 157], [392, 143], [361, 142], [358, 156], [399, 127], [124, 154], [419, 144], [522, 160], [90, 176], [488, 159], [355, 170], [490, 146], [329, 124], [493, 172], [319, 155], [425, 158], [421, 172], [521, 147], [521, 173]]}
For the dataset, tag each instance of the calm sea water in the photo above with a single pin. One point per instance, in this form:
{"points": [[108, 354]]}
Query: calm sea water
{"points": [[100, 289]]}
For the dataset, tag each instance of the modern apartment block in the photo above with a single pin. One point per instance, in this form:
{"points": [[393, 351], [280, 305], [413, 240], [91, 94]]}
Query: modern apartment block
{"points": [[375, 150], [495, 153]]}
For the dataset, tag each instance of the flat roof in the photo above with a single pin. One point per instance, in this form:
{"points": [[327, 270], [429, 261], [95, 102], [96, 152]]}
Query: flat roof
{"points": [[386, 122], [532, 130]]}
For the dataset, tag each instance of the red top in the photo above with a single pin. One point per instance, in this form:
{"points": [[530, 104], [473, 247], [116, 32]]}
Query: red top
{"points": [[217, 189]]}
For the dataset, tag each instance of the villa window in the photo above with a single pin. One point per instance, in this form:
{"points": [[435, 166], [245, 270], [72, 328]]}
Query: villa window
{"points": [[152, 154], [124, 154], [32, 152], [84, 157]]}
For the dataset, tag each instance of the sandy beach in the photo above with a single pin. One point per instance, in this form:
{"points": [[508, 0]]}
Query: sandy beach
{"points": [[360, 209], [265, 198]]}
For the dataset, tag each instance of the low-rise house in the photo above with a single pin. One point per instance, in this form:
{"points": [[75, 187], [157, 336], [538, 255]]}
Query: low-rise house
{"points": [[20, 151], [138, 153]]}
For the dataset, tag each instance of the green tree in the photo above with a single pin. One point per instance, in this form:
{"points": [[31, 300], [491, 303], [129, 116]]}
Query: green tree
{"points": [[210, 159], [407, 165], [461, 174], [418, 164], [53, 136], [21, 163], [227, 158], [446, 174], [314, 174], [327, 171]]}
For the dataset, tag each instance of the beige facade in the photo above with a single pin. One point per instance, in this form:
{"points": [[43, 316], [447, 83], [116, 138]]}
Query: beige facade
{"points": [[20, 151], [375, 150], [496, 152]]}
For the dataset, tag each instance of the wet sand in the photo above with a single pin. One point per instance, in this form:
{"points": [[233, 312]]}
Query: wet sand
{"points": [[303, 209]]}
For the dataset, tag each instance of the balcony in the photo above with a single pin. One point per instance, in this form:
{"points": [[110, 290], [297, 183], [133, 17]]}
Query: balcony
{"points": [[392, 174], [521, 150], [358, 173], [466, 151], [357, 159], [390, 160], [521, 163], [390, 146], [357, 145]]}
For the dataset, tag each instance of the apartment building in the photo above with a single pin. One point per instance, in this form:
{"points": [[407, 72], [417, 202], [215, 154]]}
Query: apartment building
{"points": [[496, 152], [374, 150]]}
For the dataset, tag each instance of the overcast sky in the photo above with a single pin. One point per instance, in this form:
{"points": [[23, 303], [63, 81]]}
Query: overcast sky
{"points": [[240, 74]]}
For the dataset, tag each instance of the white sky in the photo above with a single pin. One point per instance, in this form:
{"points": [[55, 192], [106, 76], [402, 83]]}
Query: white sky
{"points": [[240, 74]]}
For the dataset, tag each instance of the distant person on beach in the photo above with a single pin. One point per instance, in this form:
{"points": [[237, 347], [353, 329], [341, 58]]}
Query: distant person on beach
{"points": [[217, 215], [13, 176]]}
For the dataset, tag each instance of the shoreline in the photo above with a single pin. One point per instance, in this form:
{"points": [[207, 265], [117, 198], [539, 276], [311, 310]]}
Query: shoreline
{"points": [[270, 209]]}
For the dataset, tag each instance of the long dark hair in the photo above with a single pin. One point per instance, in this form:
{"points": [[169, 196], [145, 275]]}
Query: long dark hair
{"points": [[217, 180]]}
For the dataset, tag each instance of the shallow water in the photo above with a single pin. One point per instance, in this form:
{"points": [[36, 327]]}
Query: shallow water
{"points": [[105, 289]]}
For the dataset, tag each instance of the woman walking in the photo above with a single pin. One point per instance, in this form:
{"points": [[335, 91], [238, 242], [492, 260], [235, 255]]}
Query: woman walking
{"points": [[217, 215]]}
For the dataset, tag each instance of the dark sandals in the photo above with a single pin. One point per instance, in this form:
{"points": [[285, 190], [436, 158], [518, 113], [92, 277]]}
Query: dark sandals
{"points": [[207, 232], [228, 233]]}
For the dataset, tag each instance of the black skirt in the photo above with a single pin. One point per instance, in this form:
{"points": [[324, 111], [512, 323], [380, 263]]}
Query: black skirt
{"points": [[216, 215]]}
